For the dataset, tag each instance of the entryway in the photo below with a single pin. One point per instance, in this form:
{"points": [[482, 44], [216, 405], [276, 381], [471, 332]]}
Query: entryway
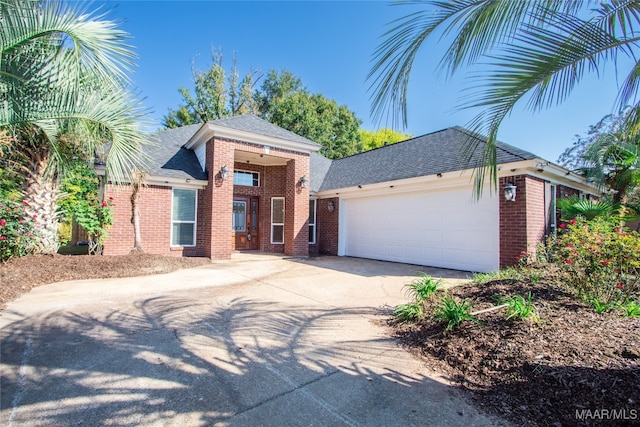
{"points": [[245, 223]]}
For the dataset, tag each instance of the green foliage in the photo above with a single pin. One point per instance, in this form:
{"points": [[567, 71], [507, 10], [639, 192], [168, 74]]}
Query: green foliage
{"points": [[319, 119], [573, 207], [602, 307], [53, 84], [217, 95], [539, 51], [597, 259], [82, 203], [281, 100], [521, 308], [409, 312], [422, 288], [631, 309], [454, 312], [381, 137], [18, 233]]}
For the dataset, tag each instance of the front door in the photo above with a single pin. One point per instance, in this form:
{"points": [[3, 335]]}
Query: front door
{"points": [[245, 223]]}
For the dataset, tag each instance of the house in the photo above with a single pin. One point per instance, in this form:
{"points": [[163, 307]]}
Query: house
{"points": [[241, 183]]}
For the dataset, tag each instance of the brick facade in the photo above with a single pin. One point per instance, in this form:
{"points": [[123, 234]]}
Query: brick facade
{"points": [[326, 228], [522, 222], [214, 235]]}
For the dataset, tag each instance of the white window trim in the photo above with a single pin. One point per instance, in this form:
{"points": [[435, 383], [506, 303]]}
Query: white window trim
{"points": [[194, 222], [251, 172], [553, 225], [315, 213], [272, 223]]}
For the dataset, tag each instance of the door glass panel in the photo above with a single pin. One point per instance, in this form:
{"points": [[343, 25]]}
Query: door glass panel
{"points": [[254, 216], [239, 216]]}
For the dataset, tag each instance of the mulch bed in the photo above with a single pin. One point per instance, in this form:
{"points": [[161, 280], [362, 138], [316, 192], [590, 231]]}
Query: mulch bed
{"points": [[20, 275], [563, 370]]}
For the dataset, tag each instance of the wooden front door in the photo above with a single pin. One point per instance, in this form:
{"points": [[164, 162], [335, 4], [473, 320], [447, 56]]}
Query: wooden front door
{"points": [[245, 223]]}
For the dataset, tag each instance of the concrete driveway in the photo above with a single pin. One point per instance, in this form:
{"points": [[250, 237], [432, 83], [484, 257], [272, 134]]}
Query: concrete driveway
{"points": [[258, 340]]}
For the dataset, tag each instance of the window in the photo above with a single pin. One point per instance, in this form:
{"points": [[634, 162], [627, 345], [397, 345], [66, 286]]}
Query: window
{"points": [[277, 220], [183, 217], [312, 222], [250, 179], [239, 216]]}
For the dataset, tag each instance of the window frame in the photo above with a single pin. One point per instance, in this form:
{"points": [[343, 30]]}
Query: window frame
{"points": [[253, 173], [313, 224], [553, 206], [194, 222], [277, 223]]}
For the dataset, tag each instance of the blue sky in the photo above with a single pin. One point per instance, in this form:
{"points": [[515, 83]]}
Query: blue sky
{"points": [[329, 45]]}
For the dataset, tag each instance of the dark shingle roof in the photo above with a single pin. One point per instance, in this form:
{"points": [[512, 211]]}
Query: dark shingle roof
{"points": [[252, 123], [165, 156], [437, 152]]}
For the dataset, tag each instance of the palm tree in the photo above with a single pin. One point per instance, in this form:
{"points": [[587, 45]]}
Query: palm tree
{"points": [[537, 49], [64, 71]]}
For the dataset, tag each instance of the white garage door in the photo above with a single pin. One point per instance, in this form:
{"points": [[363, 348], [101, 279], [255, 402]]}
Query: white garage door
{"points": [[439, 229]]}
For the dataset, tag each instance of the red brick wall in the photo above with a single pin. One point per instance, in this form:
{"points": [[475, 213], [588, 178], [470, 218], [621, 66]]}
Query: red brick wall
{"points": [[522, 223], [214, 236], [155, 222], [326, 228], [296, 222]]}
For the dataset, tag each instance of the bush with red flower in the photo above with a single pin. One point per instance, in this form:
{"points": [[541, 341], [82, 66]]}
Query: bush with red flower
{"points": [[17, 230], [598, 259]]}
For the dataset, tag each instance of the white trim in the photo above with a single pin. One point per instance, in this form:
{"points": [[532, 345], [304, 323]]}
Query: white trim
{"points": [[209, 130], [315, 217], [245, 171], [279, 223], [195, 219], [165, 181], [463, 178]]}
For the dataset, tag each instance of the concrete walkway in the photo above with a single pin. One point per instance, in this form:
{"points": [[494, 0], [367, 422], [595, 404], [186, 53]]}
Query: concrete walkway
{"points": [[258, 340]]}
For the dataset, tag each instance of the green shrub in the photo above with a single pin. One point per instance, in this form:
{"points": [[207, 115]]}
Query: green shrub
{"points": [[602, 307], [454, 312], [18, 231], [422, 288], [631, 309], [410, 312], [598, 260], [521, 308]]}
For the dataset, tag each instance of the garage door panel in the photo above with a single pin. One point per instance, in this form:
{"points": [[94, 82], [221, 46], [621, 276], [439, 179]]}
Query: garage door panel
{"points": [[441, 229]]}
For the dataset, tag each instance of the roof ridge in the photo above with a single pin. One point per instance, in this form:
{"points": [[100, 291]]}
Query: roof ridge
{"points": [[499, 144], [395, 143]]}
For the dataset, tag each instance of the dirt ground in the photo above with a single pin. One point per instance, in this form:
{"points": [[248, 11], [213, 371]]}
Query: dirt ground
{"points": [[537, 373], [533, 373]]}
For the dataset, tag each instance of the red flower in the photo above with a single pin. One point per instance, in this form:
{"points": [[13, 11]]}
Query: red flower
{"points": [[573, 221], [3, 223], [3, 237], [569, 261], [620, 286], [104, 204], [24, 202], [110, 198], [563, 225], [604, 263]]}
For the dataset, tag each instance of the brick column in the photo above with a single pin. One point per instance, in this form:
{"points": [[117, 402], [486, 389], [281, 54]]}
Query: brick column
{"points": [[522, 223], [296, 205], [218, 203]]}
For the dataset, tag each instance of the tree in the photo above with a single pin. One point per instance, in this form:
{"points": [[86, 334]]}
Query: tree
{"points": [[216, 95], [540, 50], [63, 71], [381, 137], [281, 99], [609, 155], [322, 120]]}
